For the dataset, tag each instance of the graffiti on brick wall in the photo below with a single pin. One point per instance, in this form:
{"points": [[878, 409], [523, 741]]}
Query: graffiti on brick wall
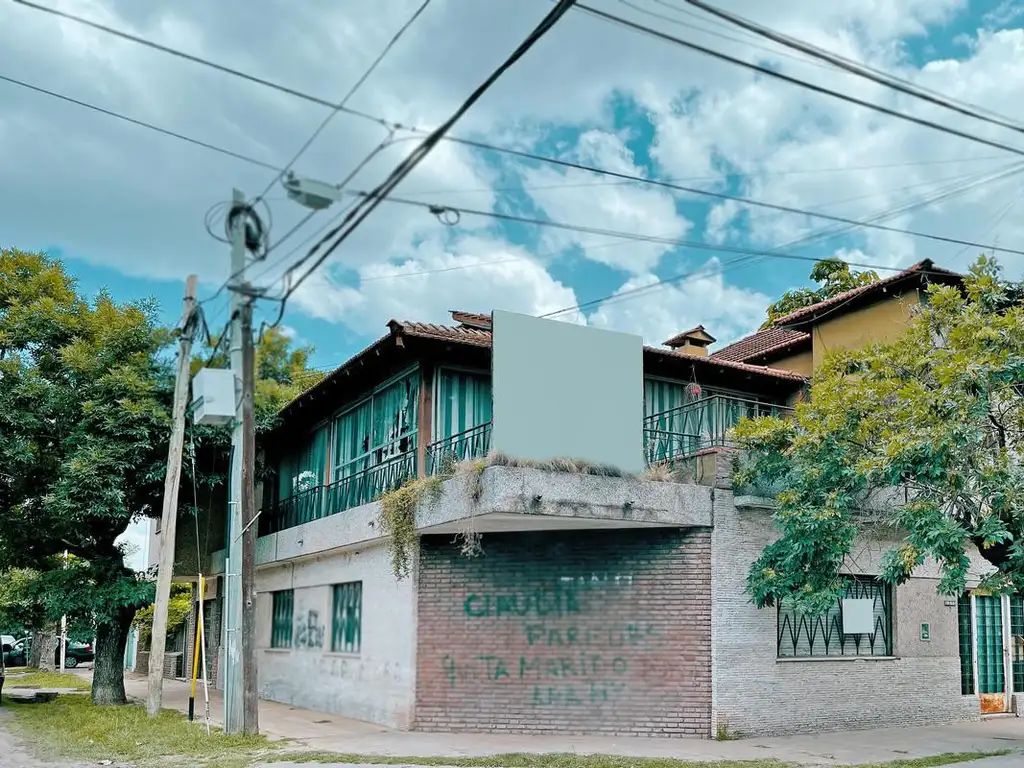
{"points": [[566, 652], [309, 632]]}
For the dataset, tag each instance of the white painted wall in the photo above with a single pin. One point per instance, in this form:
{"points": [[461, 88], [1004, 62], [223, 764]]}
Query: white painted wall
{"points": [[378, 683], [757, 694]]}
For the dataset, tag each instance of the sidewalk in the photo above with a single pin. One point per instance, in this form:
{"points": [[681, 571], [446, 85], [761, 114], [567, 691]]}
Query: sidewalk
{"points": [[320, 731]]}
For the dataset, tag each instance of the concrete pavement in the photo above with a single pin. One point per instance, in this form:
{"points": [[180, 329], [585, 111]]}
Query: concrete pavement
{"points": [[331, 733]]}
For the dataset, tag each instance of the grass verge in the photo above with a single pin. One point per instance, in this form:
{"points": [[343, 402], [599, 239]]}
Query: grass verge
{"points": [[567, 760], [74, 727], [46, 680]]}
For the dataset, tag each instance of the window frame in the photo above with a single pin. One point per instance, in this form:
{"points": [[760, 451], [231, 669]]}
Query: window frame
{"points": [[340, 641], [282, 635], [820, 629]]}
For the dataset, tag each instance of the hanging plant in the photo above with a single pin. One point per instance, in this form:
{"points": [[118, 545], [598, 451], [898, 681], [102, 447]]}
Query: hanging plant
{"points": [[694, 390]]}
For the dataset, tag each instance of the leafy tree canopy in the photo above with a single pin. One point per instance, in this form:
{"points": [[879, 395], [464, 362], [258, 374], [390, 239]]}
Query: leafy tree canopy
{"points": [[833, 276], [936, 417]]}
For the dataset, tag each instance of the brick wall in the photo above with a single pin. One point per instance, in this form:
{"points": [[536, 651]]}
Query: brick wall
{"points": [[585, 632], [757, 694]]}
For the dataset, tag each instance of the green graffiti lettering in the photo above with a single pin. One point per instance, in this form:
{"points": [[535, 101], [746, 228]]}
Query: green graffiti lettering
{"points": [[471, 606], [534, 632], [619, 665], [527, 665], [509, 604], [571, 636], [448, 665], [555, 637]]}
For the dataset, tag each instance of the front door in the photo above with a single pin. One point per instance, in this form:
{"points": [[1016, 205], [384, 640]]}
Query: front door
{"points": [[991, 654]]}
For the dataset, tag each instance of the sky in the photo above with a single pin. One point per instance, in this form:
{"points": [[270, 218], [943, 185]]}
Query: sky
{"points": [[125, 206]]}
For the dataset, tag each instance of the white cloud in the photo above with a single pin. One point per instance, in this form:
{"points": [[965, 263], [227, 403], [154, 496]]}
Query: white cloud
{"points": [[725, 311]]}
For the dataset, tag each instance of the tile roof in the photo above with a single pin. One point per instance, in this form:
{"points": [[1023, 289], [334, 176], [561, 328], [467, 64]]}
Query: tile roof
{"points": [[762, 342], [698, 334], [472, 319], [924, 268], [481, 338]]}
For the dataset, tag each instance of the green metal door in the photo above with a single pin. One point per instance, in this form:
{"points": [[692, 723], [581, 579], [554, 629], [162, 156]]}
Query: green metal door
{"points": [[991, 670]]}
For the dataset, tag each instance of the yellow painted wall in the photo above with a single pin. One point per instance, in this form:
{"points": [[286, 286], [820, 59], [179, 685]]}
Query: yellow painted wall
{"points": [[802, 362], [883, 321]]}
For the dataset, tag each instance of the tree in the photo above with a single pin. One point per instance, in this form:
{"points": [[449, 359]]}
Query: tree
{"points": [[833, 276], [83, 417], [938, 415]]}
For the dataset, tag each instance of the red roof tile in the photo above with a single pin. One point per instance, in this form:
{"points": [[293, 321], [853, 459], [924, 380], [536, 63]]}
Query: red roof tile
{"points": [[472, 319], [924, 268], [760, 343], [481, 338]]}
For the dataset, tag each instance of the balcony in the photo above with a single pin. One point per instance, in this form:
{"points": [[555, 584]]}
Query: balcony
{"points": [[353, 490], [683, 432], [473, 443]]}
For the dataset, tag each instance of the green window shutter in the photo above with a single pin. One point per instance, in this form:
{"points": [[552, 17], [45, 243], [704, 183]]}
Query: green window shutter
{"points": [[347, 618], [281, 618], [463, 402]]}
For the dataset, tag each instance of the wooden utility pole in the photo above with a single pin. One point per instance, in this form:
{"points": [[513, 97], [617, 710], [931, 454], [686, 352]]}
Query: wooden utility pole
{"points": [[250, 686], [169, 514]]}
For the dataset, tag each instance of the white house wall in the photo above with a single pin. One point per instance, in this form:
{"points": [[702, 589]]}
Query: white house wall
{"points": [[375, 685], [755, 693]]}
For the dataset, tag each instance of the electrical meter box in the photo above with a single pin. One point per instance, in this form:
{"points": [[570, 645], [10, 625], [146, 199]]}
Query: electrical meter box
{"points": [[213, 397]]}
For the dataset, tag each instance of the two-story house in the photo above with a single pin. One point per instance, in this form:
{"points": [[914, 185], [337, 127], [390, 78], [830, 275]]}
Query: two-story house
{"points": [[597, 604]]}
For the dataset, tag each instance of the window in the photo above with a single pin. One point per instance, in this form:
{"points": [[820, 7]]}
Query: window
{"points": [[966, 633], [804, 636], [347, 617], [281, 619], [1017, 638]]}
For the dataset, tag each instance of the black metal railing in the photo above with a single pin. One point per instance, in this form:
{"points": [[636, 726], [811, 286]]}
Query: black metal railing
{"points": [[472, 443], [358, 488], [706, 423]]}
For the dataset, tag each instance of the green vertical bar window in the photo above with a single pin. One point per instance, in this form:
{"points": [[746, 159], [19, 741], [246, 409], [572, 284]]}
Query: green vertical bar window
{"points": [[1017, 630], [281, 618], [347, 618], [966, 635]]}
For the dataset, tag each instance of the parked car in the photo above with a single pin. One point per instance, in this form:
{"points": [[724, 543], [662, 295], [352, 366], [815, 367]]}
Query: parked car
{"points": [[77, 653]]}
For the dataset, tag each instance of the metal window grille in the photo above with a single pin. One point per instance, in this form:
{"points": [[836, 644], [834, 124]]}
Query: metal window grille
{"points": [[966, 633], [1017, 630], [801, 635], [281, 619], [347, 620]]}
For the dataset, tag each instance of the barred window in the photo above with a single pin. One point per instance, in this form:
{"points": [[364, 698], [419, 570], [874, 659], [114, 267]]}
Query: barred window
{"points": [[804, 636], [1017, 637], [281, 619], [966, 639], [347, 617]]}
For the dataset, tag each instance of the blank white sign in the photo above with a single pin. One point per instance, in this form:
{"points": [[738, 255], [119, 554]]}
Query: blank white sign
{"points": [[858, 617]]}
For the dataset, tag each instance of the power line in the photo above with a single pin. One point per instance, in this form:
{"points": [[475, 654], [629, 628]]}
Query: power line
{"points": [[708, 193], [351, 92], [370, 203], [197, 60], [612, 18], [141, 123], [853, 67]]}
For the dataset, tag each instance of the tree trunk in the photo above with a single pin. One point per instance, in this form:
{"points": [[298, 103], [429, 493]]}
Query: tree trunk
{"points": [[44, 650], [108, 669]]}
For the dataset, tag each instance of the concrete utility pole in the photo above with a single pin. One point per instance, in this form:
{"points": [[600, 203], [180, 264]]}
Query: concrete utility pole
{"points": [[250, 718], [233, 673], [169, 513]]}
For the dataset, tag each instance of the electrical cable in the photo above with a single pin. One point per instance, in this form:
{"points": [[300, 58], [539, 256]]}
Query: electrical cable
{"points": [[856, 68], [634, 26], [141, 123], [360, 212], [197, 60], [351, 92]]}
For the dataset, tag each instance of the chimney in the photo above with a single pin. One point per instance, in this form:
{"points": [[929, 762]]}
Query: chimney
{"points": [[692, 342]]}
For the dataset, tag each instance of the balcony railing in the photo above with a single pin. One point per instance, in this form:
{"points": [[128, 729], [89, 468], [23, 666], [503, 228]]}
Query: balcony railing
{"points": [[359, 488], [473, 443], [684, 431]]}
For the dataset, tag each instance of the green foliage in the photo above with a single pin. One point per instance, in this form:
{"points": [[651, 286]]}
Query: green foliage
{"points": [[833, 276], [398, 519], [934, 419], [178, 609]]}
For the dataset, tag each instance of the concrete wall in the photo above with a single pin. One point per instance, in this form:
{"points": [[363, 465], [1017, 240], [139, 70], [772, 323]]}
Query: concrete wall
{"points": [[571, 632], [377, 683], [757, 694], [878, 323]]}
